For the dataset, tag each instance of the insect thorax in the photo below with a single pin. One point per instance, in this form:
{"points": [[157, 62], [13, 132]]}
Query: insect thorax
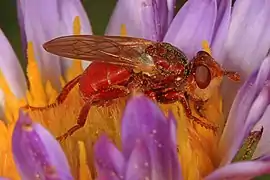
{"points": [[167, 51]]}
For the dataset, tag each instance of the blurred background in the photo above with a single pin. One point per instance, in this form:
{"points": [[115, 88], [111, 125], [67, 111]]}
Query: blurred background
{"points": [[98, 10]]}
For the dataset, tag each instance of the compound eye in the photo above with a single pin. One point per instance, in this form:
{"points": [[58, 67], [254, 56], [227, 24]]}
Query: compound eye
{"points": [[202, 76]]}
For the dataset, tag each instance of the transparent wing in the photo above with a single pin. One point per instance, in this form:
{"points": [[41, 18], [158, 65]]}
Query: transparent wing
{"points": [[125, 51]]}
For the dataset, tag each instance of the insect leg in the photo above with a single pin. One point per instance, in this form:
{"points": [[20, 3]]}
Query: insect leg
{"points": [[173, 96], [61, 97], [80, 121], [100, 99]]}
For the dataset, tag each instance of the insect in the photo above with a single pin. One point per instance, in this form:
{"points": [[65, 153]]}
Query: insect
{"points": [[121, 65]]}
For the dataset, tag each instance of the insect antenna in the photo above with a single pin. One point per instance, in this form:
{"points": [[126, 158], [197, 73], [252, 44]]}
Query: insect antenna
{"points": [[234, 76]]}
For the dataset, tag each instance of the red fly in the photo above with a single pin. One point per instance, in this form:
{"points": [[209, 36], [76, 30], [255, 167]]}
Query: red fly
{"points": [[121, 65]]}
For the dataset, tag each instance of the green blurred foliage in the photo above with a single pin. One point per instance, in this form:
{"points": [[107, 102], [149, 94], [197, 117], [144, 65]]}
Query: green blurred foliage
{"points": [[99, 12], [9, 25]]}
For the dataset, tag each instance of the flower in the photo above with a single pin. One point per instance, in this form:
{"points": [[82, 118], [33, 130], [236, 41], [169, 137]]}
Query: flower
{"points": [[198, 21], [148, 145], [149, 149], [36, 152]]}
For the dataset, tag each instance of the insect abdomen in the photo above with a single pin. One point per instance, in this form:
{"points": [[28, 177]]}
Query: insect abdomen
{"points": [[100, 76]]}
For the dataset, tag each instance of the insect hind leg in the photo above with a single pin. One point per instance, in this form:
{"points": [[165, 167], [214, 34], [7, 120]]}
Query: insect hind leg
{"points": [[80, 121], [99, 99], [60, 98]]}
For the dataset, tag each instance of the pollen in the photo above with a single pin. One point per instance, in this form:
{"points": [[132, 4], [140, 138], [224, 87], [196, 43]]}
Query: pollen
{"points": [[123, 30], [206, 47]]}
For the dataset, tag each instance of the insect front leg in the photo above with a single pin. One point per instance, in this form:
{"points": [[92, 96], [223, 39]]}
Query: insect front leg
{"points": [[173, 96], [61, 97]]}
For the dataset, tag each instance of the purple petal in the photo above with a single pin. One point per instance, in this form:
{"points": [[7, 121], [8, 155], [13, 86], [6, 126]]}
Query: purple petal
{"points": [[139, 164], [241, 170], [171, 10], [172, 124], [194, 23], [143, 18], [144, 121], [264, 158], [221, 28], [11, 68], [246, 111], [44, 20], [263, 148], [41, 23], [248, 39], [110, 163], [37, 153], [142, 118], [68, 11]]}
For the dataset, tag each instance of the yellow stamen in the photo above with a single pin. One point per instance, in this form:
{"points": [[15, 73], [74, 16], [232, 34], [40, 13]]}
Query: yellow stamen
{"points": [[51, 93], [77, 26], [206, 47], [7, 165], [12, 104], [84, 171], [37, 92], [76, 67], [123, 30]]}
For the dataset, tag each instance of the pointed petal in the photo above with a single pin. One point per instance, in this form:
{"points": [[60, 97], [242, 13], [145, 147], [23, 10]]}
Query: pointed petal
{"points": [[221, 28], [141, 117], [194, 23], [142, 18], [109, 161], [247, 44], [37, 153], [245, 170], [68, 11], [139, 164], [247, 109], [44, 20], [144, 121], [40, 25], [11, 68]]}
